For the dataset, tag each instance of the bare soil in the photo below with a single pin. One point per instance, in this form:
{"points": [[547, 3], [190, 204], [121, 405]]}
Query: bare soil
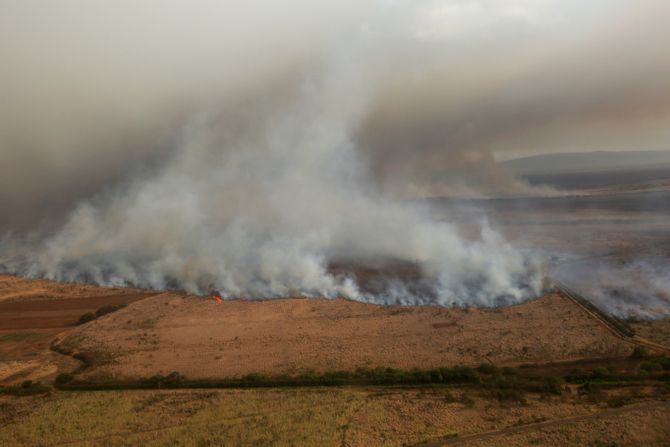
{"points": [[32, 312], [201, 338]]}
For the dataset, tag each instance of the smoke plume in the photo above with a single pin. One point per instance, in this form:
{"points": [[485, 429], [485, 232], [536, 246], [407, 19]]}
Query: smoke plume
{"points": [[247, 148], [632, 289]]}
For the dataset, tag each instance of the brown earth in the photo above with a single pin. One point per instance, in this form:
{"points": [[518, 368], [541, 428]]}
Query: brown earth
{"points": [[13, 288], [32, 312], [657, 331], [202, 338]]}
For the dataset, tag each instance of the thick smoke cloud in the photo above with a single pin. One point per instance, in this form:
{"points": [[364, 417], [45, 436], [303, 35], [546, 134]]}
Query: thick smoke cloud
{"points": [[258, 200], [634, 289], [248, 147]]}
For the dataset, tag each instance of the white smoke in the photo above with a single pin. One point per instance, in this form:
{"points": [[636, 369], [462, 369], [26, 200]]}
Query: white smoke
{"points": [[258, 200], [638, 288], [294, 118]]}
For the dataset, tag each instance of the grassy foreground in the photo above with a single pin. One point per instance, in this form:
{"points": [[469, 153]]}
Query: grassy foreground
{"points": [[380, 406], [334, 416], [305, 417]]}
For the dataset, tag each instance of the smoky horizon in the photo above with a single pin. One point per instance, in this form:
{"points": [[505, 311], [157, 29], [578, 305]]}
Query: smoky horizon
{"points": [[249, 148]]}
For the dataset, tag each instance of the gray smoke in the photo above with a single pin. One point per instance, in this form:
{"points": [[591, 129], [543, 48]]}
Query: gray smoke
{"points": [[257, 200], [247, 148], [628, 289]]}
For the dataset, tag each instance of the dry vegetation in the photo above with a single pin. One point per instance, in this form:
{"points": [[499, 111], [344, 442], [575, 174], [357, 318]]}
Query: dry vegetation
{"points": [[202, 338], [318, 417], [657, 331], [21, 289]]}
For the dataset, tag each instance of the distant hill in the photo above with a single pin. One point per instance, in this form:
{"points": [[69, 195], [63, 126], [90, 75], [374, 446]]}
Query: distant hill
{"points": [[574, 162]]}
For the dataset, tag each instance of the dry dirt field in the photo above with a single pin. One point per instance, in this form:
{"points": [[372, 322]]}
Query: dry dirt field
{"points": [[201, 338], [32, 312]]}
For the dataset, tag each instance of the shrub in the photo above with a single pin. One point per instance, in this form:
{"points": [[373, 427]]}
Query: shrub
{"points": [[64, 378], [638, 353], [156, 381], [552, 385], [651, 367], [460, 374], [619, 401], [664, 362], [600, 373], [449, 398], [27, 388], [88, 316], [254, 378], [467, 400], [174, 379], [486, 368], [510, 395], [108, 309], [591, 390]]}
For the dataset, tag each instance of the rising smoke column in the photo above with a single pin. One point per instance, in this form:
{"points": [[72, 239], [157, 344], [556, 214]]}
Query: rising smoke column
{"points": [[246, 147], [259, 197]]}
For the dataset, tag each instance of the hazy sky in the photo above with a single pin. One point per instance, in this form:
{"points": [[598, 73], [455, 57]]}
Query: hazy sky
{"points": [[95, 91]]}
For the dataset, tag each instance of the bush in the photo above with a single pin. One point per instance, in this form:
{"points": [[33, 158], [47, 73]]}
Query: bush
{"points": [[600, 373], [664, 362], [27, 388], [108, 309], [651, 367], [591, 390], [638, 353], [552, 385], [466, 400], [88, 316], [619, 401], [510, 396], [64, 378], [174, 379], [486, 368], [104, 310]]}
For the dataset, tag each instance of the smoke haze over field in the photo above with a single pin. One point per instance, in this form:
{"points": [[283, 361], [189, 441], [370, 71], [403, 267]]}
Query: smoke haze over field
{"points": [[245, 147]]}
